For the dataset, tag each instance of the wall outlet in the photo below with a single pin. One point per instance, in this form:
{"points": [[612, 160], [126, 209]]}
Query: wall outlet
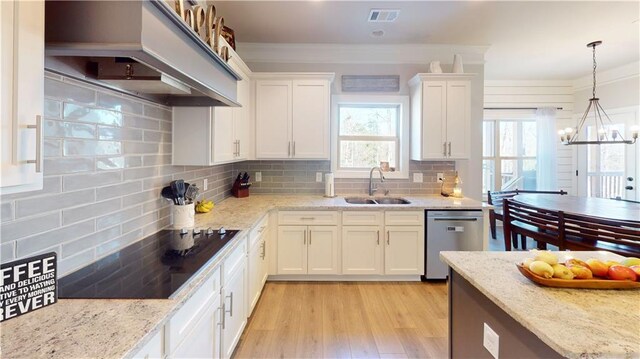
{"points": [[439, 177], [491, 341], [318, 176], [205, 185], [417, 177], [258, 176]]}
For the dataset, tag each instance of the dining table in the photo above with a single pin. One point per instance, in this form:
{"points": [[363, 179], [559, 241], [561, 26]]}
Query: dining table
{"points": [[587, 206]]}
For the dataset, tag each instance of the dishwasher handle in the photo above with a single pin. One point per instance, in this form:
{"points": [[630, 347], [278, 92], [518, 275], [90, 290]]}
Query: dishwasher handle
{"points": [[456, 219]]}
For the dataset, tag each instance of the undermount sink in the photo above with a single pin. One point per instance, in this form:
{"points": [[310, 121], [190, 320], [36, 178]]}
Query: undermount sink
{"points": [[380, 200]]}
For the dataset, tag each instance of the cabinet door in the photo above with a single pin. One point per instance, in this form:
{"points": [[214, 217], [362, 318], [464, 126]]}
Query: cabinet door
{"points": [[458, 118], [235, 316], [311, 119], [242, 118], [22, 95], [404, 252], [362, 250], [203, 341], [292, 249], [255, 264], [273, 119], [322, 251], [224, 148], [434, 112], [153, 349]]}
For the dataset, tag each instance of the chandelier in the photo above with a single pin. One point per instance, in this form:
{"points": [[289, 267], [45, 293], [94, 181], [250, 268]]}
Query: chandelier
{"points": [[605, 132]]}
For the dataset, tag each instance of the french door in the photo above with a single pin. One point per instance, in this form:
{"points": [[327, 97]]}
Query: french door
{"points": [[610, 171]]}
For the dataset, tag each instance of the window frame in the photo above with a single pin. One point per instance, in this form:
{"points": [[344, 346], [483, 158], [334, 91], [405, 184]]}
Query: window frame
{"points": [[506, 116], [402, 144]]}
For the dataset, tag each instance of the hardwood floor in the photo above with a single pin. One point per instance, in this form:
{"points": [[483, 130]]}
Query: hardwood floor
{"points": [[348, 320]]}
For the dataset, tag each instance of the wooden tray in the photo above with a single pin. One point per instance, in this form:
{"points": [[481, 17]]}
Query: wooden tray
{"points": [[578, 283]]}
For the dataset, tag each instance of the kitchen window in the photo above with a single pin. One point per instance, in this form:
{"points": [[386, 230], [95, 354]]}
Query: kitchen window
{"points": [[368, 130], [509, 155]]}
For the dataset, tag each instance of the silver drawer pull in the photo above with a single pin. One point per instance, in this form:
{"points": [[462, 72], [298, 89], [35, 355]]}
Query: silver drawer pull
{"points": [[223, 311], [38, 128], [307, 218], [378, 241], [230, 311]]}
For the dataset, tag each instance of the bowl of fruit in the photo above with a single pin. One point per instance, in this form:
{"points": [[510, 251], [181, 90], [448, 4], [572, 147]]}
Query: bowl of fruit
{"points": [[544, 268]]}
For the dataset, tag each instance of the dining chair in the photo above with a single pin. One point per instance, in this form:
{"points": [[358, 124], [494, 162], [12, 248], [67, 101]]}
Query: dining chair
{"points": [[496, 214], [586, 233], [542, 225]]}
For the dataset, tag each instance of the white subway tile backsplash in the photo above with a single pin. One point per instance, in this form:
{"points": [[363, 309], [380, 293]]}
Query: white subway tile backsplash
{"points": [[53, 128], [119, 103], [52, 109], [141, 122], [93, 115], [90, 241], [63, 90], [36, 243], [157, 112], [6, 211], [107, 156], [90, 147], [7, 251], [113, 163], [92, 210], [90, 180], [119, 133], [119, 217], [118, 190], [59, 166], [31, 206]]}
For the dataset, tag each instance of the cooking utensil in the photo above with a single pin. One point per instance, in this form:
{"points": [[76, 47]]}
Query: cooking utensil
{"points": [[181, 189], [192, 193], [167, 193]]}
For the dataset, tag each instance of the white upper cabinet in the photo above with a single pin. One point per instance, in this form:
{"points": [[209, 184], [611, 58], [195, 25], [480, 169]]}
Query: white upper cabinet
{"points": [[293, 115], [21, 94], [440, 116], [204, 136]]}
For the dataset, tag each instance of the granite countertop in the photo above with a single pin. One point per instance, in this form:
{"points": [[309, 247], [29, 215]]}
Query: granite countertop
{"points": [[244, 212], [576, 323], [102, 328]]}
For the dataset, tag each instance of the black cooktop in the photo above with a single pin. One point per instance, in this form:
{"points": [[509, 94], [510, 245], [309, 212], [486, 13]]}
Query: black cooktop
{"points": [[153, 268]]}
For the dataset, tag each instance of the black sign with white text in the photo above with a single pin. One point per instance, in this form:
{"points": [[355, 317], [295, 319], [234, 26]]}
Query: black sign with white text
{"points": [[27, 284]]}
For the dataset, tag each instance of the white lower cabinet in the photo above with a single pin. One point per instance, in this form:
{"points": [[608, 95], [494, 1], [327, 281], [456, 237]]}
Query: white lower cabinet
{"points": [[362, 250], [258, 263], [308, 250], [203, 340], [404, 251], [234, 296], [153, 349]]}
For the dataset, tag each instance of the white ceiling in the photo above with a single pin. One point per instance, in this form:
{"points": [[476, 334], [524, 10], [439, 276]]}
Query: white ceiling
{"points": [[528, 40]]}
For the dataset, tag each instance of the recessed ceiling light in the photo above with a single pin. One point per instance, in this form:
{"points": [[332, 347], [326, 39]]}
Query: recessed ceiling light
{"points": [[377, 33], [383, 15]]}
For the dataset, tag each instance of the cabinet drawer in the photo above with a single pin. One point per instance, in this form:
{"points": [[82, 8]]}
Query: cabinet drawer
{"points": [[187, 316], [404, 218], [308, 218], [362, 218], [235, 258], [259, 230]]}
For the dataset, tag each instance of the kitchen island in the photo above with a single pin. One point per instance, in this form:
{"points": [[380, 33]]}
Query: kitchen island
{"points": [[116, 328], [534, 321]]}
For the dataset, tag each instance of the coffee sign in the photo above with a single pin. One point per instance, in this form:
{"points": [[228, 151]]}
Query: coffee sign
{"points": [[27, 284]]}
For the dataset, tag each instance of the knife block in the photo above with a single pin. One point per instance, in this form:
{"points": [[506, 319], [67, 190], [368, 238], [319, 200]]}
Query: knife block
{"points": [[239, 191]]}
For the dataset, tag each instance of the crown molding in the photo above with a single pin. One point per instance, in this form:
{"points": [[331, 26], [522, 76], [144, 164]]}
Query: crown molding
{"points": [[294, 76], [358, 53], [616, 74]]}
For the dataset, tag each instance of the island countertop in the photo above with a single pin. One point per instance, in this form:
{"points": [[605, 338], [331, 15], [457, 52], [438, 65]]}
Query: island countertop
{"points": [[576, 323]]}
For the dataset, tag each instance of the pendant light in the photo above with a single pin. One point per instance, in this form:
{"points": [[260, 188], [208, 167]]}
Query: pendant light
{"points": [[604, 135]]}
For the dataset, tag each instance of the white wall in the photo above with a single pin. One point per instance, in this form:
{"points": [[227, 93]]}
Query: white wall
{"points": [[505, 94], [616, 88]]}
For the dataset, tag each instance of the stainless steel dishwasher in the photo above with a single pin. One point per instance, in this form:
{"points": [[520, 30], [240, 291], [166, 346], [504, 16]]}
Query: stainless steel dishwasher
{"points": [[450, 231]]}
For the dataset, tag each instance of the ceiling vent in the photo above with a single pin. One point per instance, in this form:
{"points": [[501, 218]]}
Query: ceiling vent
{"points": [[383, 15]]}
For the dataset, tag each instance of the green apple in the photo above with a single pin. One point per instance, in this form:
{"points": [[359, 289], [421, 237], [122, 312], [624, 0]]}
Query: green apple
{"points": [[630, 261]]}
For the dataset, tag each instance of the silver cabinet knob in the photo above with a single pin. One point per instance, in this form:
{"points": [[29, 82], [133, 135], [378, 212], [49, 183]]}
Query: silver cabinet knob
{"points": [[209, 231], [183, 231], [222, 231]]}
